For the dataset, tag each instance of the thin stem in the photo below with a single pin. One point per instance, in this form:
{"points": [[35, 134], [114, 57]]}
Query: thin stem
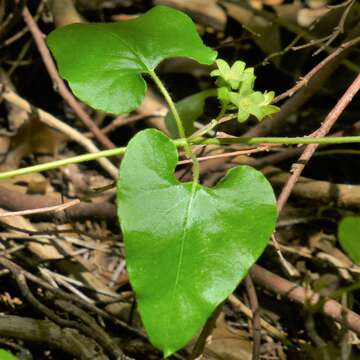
{"points": [[203, 131], [63, 162], [181, 143], [256, 328], [50, 120], [188, 151], [206, 331], [170, 102], [213, 124], [278, 140]]}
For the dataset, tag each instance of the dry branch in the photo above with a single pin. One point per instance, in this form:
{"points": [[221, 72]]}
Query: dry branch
{"points": [[256, 326], [329, 121], [15, 201], [305, 79], [314, 84], [341, 195], [47, 332], [295, 292]]}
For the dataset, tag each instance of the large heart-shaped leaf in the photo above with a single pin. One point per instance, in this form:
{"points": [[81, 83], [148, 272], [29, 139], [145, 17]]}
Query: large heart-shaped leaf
{"points": [[187, 247], [103, 62], [349, 237], [4, 355]]}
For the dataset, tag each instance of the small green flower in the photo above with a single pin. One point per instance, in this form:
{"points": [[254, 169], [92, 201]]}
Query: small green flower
{"points": [[257, 104], [236, 91], [247, 82], [231, 76]]}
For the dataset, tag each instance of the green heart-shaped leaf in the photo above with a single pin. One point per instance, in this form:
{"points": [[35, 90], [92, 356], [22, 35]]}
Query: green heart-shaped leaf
{"points": [[187, 247], [229, 75], [103, 62], [349, 237], [4, 355]]}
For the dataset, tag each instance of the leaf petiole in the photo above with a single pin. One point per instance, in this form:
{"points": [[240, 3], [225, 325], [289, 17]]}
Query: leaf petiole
{"points": [[188, 151]]}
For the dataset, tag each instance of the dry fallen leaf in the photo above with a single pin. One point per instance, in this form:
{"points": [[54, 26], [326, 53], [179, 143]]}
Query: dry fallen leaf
{"points": [[307, 17], [33, 183], [33, 137], [226, 343]]}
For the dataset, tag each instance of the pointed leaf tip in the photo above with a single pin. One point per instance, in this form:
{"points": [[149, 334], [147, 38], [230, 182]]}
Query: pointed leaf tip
{"points": [[186, 251]]}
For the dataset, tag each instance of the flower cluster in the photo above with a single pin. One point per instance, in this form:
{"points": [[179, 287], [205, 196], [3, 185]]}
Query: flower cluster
{"points": [[236, 91]]}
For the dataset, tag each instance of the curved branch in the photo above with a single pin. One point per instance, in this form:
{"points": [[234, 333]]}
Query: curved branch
{"points": [[47, 332]]}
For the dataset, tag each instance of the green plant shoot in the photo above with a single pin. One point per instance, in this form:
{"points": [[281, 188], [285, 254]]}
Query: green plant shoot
{"points": [[187, 246], [236, 91]]}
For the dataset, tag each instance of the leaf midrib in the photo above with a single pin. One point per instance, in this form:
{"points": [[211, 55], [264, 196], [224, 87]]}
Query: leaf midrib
{"points": [[129, 47], [181, 254]]}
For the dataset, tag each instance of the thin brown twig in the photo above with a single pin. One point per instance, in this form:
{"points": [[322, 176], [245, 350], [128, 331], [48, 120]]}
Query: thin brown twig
{"points": [[24, 30], [60, 84], [339, 29], [14, 268], [46, 209], [86, 327], [292, 291], [122, 121], [229, 154], [282, 52], [20, 59], [101, 336], [313, 42], [293, 104], [272, 330], [12, 19], [50, 120], [306, 34], [337, 6], [28, 295], [67, 340], [256, 326], [325, 192], [200, 343], [61, 279], [12, 250], [305, 79], [58, 279], [13, 200], [329, 121], [286, 265]]}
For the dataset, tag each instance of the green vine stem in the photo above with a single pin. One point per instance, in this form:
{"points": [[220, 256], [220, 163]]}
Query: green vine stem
{"points": [[278, 140], [63, 162], [209, 127], [182, 143], [188, 151]]}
